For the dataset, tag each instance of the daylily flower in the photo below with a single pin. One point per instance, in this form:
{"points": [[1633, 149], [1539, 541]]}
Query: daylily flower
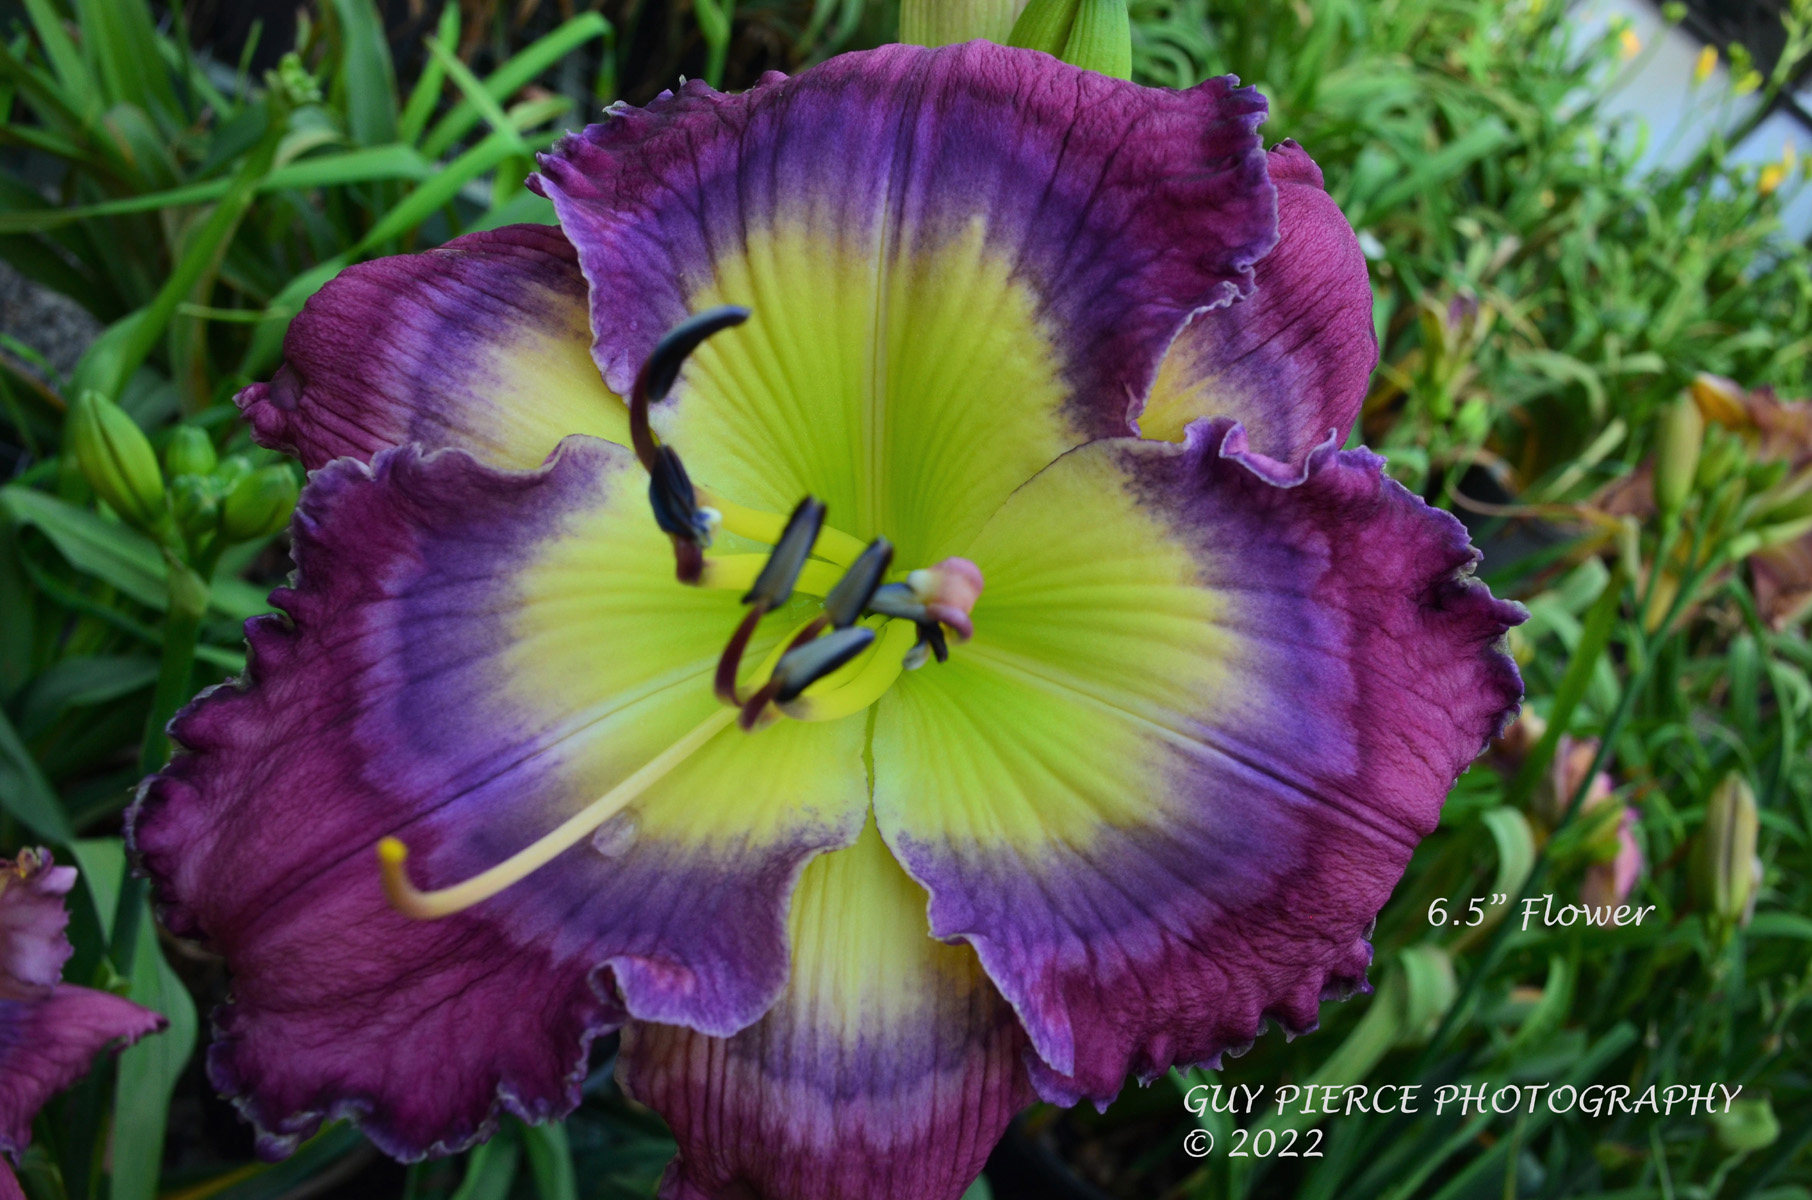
{"points": [[49, 1030], [1221, 677]]}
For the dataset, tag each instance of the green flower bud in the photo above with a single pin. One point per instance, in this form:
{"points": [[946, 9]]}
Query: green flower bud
{"points": [[231, 470], [259, 505], [1044, 25], [1724, 861], [946, 22], [1678, 440], [1749, 1125], [1093, 34], [197, 508], [116, 457], [1722, 456], [190, 452]]}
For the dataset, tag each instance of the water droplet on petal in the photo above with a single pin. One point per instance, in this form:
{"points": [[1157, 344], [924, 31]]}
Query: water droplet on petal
{"points": [[614, 837]]}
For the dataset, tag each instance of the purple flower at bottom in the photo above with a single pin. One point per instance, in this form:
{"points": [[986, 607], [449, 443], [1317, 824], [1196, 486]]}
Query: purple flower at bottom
{"points": [[49, 1030], [1052, 372]]}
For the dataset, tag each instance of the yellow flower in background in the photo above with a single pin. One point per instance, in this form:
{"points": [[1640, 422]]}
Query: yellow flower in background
{"points": [[1628, 44], [1775, 173], [1706, 64]]}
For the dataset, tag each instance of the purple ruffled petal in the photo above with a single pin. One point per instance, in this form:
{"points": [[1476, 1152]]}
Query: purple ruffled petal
{"points": [[33, 916], [462, 665], [1292, 361], [47, 1041], [961, 262], [1277, 676], [49, 1031], [481, 344], [889, 1068]]}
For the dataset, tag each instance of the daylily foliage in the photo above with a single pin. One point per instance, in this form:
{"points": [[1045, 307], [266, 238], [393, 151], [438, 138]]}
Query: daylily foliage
{"points": [[1081, 355]]}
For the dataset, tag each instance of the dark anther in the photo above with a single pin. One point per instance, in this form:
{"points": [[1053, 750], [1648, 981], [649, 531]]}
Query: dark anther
{"points": [[897, 600], [673, 499], [774, 586], [932, 634], [676, 511], [806, 665], [663, 367], [852, 593]]}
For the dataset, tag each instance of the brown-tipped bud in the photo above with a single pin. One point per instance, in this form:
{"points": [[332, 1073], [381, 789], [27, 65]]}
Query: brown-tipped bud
{"points": [[1678, 441], [1723, 864], [1720, 400], [259, 505], [117, 460]]}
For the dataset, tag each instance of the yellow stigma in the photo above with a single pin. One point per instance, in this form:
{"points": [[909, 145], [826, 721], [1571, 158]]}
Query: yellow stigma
{"points": [[411, 901]]}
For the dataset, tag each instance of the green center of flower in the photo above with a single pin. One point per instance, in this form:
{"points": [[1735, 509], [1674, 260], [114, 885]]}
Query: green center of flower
{"points": [[834, 664], [839, 661]]}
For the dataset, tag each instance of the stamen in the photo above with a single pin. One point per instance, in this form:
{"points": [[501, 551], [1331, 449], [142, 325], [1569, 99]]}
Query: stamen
{"points": [[737, 573], [869, 684], [724, 684], [677, 512], [805, 665], [774, 586], [846, 601], [409, 900], [759, 526], [897, 600], [663, 367]]}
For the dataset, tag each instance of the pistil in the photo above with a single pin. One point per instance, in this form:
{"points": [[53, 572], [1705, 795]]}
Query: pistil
{"points": [[411, 901]]}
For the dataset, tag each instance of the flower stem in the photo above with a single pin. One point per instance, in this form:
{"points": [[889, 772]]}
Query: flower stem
{"points": [[189, 590]]}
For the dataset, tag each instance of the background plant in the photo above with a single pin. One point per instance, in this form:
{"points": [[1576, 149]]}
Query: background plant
{"points": [[1543, 303]]}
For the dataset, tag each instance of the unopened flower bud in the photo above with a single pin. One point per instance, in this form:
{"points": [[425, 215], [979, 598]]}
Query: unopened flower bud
{"points": [[1093, 34], [190, 452], [117, 459], [946, 22], [259, 505], [1724, 857], [1678, 440], [1719, 399], [1722, 457], [196, 507]]}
